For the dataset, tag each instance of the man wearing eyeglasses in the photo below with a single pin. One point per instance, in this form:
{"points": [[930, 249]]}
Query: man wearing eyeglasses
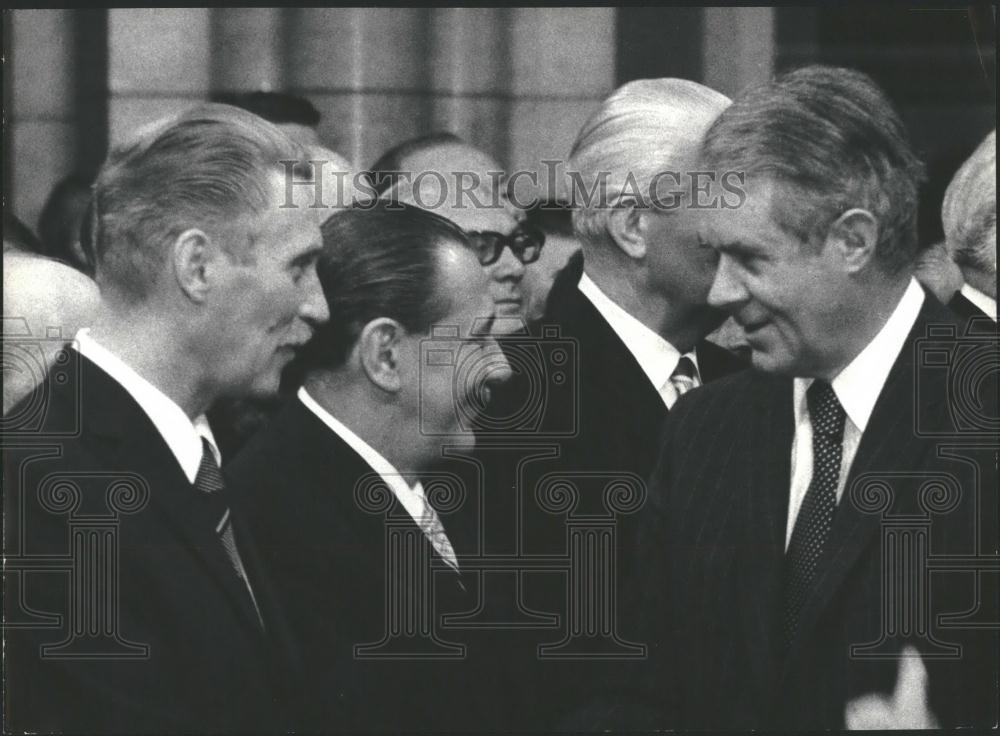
{"points": [[465, 185]]}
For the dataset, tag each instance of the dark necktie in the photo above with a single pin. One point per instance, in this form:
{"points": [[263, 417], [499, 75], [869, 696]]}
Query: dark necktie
{"points": [[209, 480], [815, 518]]}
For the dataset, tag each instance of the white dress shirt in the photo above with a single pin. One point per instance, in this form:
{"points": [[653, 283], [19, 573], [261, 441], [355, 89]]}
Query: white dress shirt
{"points": [[182, 435], [984, 301], [857, 388], [410, 497], [657, 357]]}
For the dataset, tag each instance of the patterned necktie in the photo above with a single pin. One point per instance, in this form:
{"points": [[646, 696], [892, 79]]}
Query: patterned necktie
{"points": [[812, 526], [683, 379], [433, 529], [209, 480]]}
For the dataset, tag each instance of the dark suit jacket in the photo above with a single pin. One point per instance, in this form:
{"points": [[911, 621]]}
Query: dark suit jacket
{"points": [[327, 555], [207, 666], [721, 496], [608, 422], [964, 308]]}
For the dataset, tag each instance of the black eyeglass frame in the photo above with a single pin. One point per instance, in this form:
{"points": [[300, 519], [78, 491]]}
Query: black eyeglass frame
{"points": [[525, 242]]}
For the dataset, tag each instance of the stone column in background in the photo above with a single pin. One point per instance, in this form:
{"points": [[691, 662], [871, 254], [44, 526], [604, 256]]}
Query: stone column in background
{"points": [[41, 119], [365, 69], [159, 63], [247, 49], [563, 65]]}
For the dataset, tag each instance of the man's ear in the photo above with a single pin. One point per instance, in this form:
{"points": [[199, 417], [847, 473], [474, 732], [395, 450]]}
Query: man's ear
{"points": [[627, 227], [192, 254], [379, 353], [854, 236]]}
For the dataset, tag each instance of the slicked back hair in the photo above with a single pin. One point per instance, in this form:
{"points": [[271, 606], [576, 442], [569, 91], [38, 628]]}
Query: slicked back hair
{"points": [[205, 168], [380, 259], [969, 212], [644, 129], [833, 141]]}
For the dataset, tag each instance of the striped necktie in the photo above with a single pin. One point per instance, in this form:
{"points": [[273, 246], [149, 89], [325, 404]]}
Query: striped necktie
{"points": [[209, 480], [683, 379], [433, 529]]}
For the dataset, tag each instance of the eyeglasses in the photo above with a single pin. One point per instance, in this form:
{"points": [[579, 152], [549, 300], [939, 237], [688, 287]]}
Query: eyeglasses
{"points": [[525, 243]]}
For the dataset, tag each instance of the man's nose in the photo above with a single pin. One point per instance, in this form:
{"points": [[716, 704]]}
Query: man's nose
{"points": [[727, 288], [313, 309], [508, 266]]}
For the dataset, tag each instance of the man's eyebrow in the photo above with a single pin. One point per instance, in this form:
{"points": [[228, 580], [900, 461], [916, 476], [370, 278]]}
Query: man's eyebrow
{"points": [[736, 246], [307, 257]]}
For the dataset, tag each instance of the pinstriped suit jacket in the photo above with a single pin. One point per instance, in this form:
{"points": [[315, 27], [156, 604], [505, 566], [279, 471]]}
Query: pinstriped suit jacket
{"points": [[720, 494]]}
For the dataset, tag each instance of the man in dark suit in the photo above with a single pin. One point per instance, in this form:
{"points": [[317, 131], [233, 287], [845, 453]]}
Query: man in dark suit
{"points": [[632, 316], [134, 600], [341, 489], [803, 505], [969, 216]]}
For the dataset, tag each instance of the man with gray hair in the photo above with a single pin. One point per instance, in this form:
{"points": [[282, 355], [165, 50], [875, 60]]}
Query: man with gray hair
{"points": [[797, 503], [207, 285], [969, 215]]}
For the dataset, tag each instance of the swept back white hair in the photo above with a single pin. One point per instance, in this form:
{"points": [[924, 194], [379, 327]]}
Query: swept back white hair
{"points": [[969, 212], [643, 129]]}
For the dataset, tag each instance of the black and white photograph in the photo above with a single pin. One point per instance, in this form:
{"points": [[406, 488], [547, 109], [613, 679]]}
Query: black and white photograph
{"points": [[488, 370]]}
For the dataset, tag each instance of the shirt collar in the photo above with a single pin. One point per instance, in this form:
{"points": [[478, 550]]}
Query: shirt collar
{"points": [[985, 302], [657, 357], [859, 384], [411, 497], [182, 434]]}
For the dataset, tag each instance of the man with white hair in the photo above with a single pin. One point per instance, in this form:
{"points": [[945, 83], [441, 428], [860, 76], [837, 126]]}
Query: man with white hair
{"points": [[969, 214], [637, 315]]}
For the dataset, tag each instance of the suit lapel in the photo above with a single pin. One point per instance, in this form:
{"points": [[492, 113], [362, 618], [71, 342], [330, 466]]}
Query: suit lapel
{"points": [[129, 440], [890, 441], [334, 458], [613, 377], [769, 454]]}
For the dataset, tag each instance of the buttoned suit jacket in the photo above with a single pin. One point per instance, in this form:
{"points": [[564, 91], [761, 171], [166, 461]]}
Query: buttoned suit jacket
{"points": [[923, 481], [323, 517], [172, 641]]}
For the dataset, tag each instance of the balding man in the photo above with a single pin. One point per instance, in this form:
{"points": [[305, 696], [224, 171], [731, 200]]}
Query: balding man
{"points": [[444, 174], [207, 288], [969, 214], [44, 303]]}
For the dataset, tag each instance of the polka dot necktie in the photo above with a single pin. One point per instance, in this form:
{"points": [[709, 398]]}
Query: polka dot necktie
{"points": [[209, 480], [815, 518]]}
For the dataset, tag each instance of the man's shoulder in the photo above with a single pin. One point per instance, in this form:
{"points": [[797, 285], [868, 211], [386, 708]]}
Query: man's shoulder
{"points": [[738, 390]]}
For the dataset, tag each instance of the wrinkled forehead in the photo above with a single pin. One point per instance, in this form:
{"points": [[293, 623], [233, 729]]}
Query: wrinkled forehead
{"points": [[477, 219]]}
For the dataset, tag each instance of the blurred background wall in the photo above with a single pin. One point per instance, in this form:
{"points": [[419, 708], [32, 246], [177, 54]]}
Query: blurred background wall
{"points": [[517, 82]]}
